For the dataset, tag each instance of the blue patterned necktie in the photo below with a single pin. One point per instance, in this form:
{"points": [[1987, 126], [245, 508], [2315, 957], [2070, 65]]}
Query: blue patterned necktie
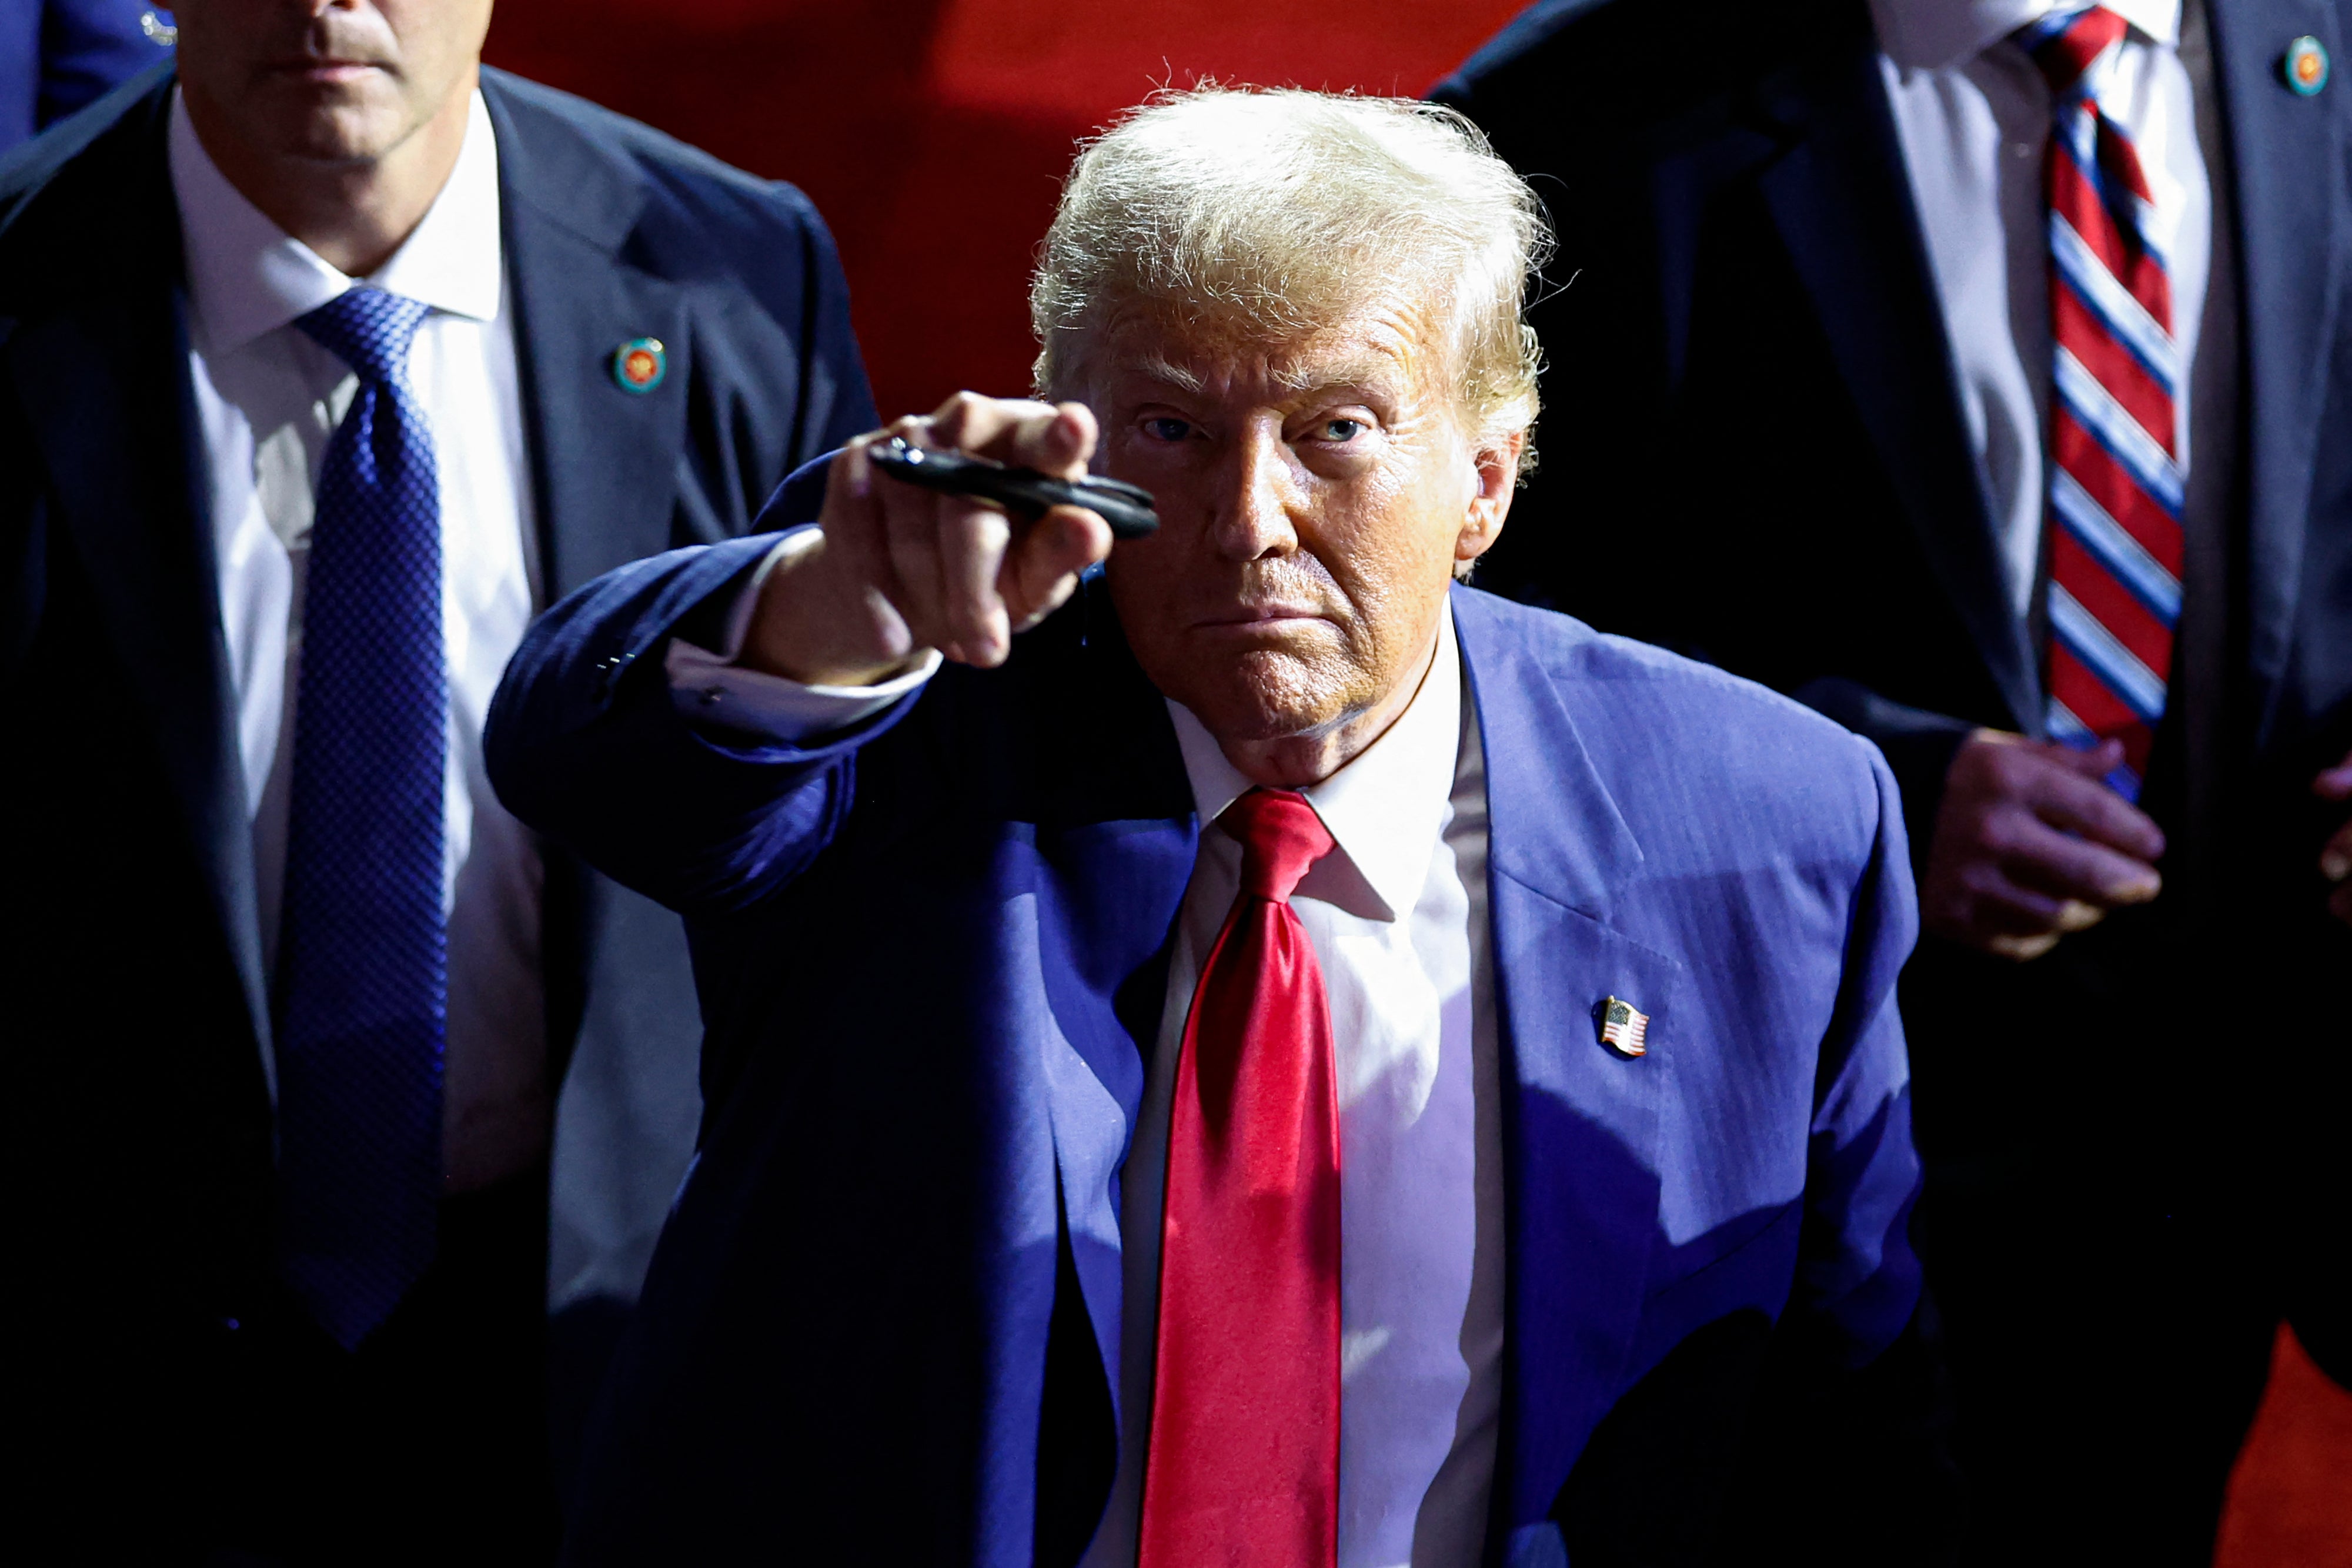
{"points": [[363, 964]]}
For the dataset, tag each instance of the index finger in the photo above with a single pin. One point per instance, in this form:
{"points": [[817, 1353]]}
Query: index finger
{"points": [[1057, 439]]}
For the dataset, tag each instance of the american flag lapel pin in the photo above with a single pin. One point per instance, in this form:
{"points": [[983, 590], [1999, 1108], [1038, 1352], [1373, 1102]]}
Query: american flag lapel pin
{"points": [[1624, 1027]]}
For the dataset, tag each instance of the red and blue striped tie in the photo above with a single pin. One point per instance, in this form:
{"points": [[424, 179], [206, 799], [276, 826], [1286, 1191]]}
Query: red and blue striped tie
{"points": [[2116, 477]]}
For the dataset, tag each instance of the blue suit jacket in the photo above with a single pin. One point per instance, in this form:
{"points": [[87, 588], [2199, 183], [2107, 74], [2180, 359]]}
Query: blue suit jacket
{"points": [[138, 1116], [59, 55], [931, 953]]}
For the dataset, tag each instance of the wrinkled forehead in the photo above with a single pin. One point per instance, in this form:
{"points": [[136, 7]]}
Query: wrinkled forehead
{"points": [[1388, 342]]}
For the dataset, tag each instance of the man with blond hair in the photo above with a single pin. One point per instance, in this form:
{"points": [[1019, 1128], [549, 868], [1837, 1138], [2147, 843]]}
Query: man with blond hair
{"points": [[1257, 1053]]}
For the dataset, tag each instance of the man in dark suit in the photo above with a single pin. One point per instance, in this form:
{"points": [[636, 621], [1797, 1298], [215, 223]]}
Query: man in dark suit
{"points": [[1981, 374], [1290, 1061], [322, 361]]}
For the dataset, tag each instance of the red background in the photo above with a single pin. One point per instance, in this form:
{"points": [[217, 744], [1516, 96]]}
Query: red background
{"points": [[933, 135]]}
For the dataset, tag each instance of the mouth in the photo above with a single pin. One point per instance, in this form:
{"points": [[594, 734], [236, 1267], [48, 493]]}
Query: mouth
{"points": [[1265, 617], [325, 71]]}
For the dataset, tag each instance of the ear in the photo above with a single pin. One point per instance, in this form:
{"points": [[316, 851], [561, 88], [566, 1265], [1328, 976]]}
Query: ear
{"points": [[1496, 469]]}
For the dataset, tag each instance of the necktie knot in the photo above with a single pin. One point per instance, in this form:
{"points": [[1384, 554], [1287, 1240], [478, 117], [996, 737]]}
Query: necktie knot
{"points": [[1280, 836], [2066, 43], [369, 329]]}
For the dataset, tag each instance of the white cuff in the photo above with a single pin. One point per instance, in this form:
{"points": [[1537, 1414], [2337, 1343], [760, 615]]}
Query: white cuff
{"points": [[711, 689]]}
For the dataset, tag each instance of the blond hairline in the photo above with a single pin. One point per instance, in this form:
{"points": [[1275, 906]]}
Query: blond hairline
{"points": [[1078, 292]]}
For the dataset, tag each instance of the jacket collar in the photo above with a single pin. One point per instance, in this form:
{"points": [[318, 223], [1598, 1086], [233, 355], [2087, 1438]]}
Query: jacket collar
{"points": [[570, 204], [1831, 173], [1936, 35], [1555, 828]]}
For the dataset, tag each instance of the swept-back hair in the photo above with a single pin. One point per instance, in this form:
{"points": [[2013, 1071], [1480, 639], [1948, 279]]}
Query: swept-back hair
{"points": [[1251, 212]]}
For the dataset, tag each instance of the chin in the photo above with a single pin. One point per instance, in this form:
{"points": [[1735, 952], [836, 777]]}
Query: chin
{"points": [[1265, 697], [333, 126]]}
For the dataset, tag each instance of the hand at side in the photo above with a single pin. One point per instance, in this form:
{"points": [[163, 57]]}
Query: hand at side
{"points": [[2336, 859], [2032, 844]]}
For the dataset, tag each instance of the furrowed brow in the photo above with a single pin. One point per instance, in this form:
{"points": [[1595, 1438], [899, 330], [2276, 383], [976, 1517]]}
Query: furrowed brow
{"points": [[1371, 371], [1155, 367]]}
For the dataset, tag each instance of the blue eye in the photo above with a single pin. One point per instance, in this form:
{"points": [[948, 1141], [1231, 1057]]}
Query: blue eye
{"points": [[1342, 430], [1166, 429]]}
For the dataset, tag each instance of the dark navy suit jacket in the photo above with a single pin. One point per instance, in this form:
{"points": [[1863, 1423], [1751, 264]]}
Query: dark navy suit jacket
{"points": [[1746, 350], [138, 1114], [1755, 453], [884, 1320]]}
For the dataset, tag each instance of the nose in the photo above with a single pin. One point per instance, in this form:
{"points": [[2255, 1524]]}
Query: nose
{"points": [[1253, 519]]}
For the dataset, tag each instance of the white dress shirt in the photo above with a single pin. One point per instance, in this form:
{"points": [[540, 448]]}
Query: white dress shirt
{"points": [[1973, 114], [267, 400], [1397, 915]]}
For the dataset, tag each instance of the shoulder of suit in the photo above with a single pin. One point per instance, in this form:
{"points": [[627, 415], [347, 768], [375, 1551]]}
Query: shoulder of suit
{"points": [[88, 198], [1547, 26], [568, 129], [1575, 654], [1659, 727], [1565, 65]]}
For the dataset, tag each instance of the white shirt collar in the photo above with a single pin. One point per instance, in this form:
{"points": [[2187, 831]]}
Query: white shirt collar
{"points": [[247, 276], [1385, 808], [1933, 35]]}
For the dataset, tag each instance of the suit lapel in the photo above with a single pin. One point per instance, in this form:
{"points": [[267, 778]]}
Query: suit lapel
{"points": [[1580, 1122], [604, 461], [1116, 841], [1842, 201], [2287, 156], [103, 379]]}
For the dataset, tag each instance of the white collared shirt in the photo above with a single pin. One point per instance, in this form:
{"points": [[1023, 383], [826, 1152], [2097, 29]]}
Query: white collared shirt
{"points": [[1973, 115], [267, 400], [1397, 915]]}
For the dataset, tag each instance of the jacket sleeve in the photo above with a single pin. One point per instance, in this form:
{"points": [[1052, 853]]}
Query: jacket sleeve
{"points": [[585, 744], [1918, 747], [1857, 1274], [1848, 1458]]}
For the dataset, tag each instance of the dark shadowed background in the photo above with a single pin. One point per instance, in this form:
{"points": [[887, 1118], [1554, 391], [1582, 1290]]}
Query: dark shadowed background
{"points": [[933, 134]]}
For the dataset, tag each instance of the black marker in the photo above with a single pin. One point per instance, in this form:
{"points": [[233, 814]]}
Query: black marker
{"points": [[1023, 492]]}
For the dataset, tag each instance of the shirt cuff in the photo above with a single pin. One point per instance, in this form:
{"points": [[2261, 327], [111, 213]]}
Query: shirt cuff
{"points": [[712, 691]]}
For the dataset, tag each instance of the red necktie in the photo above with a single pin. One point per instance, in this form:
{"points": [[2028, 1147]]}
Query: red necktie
{"points": [[1245, 1459], [2117, 479]]}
